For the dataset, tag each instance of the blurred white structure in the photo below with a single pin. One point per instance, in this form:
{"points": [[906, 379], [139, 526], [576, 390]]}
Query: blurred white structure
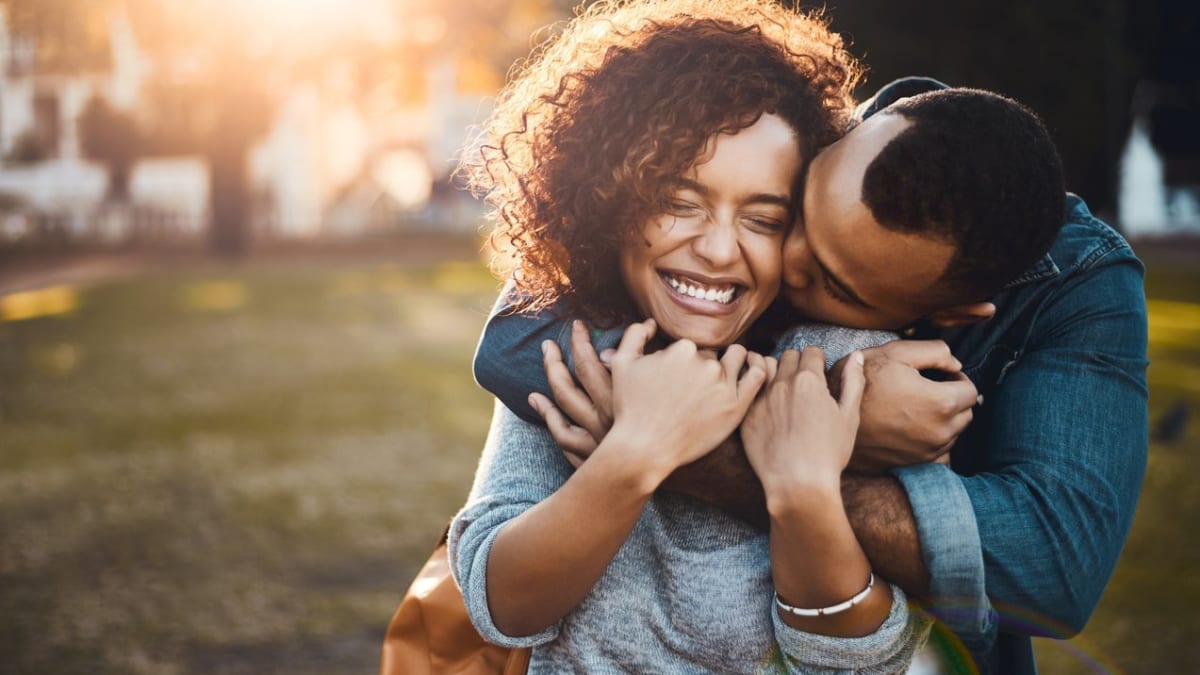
{"points": [[178, 186], [332, 165], [39, 115], [1142, 200], [1159, 195]]}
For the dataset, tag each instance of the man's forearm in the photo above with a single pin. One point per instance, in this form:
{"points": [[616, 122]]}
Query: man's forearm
{"points": [[877, 507], [723, 478], [882, 518]]}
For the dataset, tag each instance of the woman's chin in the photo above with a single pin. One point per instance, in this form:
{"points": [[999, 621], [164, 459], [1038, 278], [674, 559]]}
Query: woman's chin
{"points": [[706, 332]]}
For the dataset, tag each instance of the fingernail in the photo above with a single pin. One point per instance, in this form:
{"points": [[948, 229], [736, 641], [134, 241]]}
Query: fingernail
{"points": [[535, 403], [858, 358], [545, 346]]}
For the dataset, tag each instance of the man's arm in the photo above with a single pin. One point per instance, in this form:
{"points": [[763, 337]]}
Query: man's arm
{"points": [[876, 505], [1053, 466], [508, 359]]}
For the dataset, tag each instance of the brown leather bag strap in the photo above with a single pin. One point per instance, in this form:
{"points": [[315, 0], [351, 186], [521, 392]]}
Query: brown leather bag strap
{"points": [[431, 632]]}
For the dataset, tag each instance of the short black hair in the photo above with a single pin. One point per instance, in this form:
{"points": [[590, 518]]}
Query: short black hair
{"points": [[975, 169]]}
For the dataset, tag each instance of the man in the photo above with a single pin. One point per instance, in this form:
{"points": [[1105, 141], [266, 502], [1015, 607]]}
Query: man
{"points": [[1023, 529]]}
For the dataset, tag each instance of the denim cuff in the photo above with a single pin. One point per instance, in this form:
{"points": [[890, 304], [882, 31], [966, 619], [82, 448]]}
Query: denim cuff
{"points": [[951, 550]]}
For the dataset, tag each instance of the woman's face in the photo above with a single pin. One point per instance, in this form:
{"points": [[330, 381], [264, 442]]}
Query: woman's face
{"points": [[707, 268]]}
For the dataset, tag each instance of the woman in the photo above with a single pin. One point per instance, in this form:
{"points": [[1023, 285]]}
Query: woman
{"points": [[665, 141]]}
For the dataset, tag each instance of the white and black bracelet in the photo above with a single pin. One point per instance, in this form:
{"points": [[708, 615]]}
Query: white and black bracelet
{"points": [[832, 609]]}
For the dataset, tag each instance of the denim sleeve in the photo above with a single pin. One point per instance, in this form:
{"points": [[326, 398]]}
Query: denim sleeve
{"points": [[508, 359], [1059, 470]]}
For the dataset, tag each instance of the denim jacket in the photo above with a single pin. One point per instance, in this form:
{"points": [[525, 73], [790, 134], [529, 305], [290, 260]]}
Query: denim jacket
{"points": [[1022, 532]]}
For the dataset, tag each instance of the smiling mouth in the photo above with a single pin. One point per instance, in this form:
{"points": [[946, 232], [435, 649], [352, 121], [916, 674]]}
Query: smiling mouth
{"points": [[719, 293]]}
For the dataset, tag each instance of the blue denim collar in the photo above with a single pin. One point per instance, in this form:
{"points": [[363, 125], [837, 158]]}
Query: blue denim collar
{"points": [[1043, 269]]}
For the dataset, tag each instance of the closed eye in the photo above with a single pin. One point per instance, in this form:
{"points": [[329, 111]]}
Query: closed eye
{"points": [[838, 295], [766, 225], [677, 207]]}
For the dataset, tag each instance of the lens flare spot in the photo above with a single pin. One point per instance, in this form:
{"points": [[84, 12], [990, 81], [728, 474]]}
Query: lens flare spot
{"points": [[55, 360], [51, 301], [214, 296]]}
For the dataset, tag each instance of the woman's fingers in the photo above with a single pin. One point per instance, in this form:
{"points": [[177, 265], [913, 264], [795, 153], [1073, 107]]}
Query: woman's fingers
{"points": [[853, 383], [812, 359], [789, 364], [732, 360], [572, 439], [633, 342], [594, 376], [754, 377], [571, 399]]}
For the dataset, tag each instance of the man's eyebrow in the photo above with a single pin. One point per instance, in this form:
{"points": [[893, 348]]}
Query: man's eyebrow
{"points": [[758, 197], [845, 290]]}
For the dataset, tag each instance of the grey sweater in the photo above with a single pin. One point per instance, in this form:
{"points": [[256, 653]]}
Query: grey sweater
{"points": [[689, 591]]}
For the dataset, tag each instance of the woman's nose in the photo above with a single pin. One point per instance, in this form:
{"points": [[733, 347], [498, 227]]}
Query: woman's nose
{"points": [[718, 244]]}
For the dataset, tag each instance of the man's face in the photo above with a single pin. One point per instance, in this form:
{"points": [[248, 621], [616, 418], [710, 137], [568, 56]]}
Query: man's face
{"points": [[840, 265]]}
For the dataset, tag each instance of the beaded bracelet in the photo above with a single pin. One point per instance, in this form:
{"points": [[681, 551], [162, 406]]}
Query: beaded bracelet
{"points": [[832, 609]]}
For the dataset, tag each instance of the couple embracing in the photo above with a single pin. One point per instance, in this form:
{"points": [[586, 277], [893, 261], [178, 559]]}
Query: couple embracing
{"points": [[679, 485]]}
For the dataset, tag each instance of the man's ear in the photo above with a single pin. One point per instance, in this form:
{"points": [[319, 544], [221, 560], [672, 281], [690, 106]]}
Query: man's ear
{"points": [[962, 315]]}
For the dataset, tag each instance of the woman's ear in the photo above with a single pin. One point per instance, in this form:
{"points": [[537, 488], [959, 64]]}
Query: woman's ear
{"points": [[962, 315]]}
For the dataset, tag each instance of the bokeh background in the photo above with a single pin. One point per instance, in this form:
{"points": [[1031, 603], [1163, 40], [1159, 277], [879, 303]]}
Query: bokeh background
{"points": [[239, 293]]}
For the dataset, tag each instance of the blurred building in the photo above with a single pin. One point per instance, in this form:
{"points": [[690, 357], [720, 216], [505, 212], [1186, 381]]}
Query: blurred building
{"points": [[45, 183], [332, 165], [336, 160]]}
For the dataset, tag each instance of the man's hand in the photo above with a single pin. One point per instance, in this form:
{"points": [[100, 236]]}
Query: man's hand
{"points": [[907, 418]]}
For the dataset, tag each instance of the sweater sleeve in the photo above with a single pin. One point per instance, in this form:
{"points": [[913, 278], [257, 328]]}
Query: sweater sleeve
{"points": [[836, 341], [888, 650], [893, 646], [521, 465]]}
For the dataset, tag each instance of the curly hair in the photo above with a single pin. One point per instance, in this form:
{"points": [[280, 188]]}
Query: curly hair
{"points": [[593, 129]]}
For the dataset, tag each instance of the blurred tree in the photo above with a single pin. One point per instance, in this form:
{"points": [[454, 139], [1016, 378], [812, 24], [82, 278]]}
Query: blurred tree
{"points": [[71, 36], [241, 113], [112, 138], [210, 95], [1074, 61], [1066, 59], [28, 148]]}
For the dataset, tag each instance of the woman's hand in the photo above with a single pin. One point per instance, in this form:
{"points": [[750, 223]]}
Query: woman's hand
{"points": [[796, 432], [583, 414], [675, 405]]}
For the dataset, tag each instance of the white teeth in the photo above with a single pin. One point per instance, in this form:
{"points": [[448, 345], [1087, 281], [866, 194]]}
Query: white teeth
{"points": [[711, 294]]}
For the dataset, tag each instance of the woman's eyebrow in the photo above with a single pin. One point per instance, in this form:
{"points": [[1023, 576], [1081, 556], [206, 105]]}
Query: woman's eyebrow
{"points": [[771, 198], [758, 197], [689, 184]]}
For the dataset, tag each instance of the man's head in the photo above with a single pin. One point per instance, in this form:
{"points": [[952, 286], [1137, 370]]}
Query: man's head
{"points": [[924, 210]]}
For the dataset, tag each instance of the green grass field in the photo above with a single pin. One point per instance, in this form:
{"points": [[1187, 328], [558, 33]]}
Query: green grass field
{"points": [[239, 470]]}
